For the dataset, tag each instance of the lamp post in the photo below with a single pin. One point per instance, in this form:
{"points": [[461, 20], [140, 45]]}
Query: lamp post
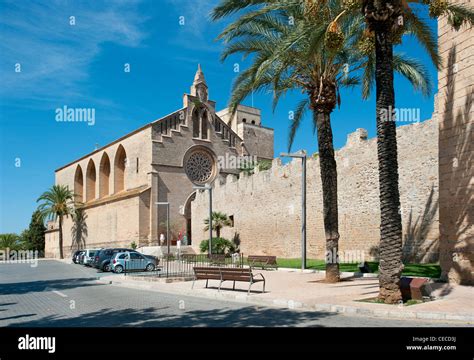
{"points": [[209, 188], [301, 155], [167, 204]]}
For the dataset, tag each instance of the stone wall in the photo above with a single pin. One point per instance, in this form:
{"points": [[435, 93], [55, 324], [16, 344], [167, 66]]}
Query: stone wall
{"points": [[266, 206], [456, 144], [114, 223], [258, 140]]}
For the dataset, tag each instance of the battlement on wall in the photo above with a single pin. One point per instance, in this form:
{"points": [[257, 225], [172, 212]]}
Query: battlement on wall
{"points": [[357, 148]]}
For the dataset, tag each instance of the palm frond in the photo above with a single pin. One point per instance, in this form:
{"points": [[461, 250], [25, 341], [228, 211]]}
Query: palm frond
{"points": [[414, 71], [296, 121]]}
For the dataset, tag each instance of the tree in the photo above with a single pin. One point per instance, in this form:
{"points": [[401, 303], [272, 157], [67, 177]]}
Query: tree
{"points": [[387, 20], [10, 241], [57, 203], [306, 46], [219, 220], [34, 236]]}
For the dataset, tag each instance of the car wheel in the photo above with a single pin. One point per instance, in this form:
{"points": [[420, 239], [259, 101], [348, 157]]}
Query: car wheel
{"points": [[118, 269], [106, 267], [150, 267]]}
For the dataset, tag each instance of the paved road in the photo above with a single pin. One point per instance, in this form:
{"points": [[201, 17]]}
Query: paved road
{"points": [[59, 294]]}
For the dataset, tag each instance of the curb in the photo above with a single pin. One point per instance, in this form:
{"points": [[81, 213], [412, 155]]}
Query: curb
{"points": [[296, 305], [343, 273]]}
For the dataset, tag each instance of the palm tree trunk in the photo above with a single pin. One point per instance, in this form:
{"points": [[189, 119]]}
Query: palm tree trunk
{"points": [[218, 232], [327, 163], [390, 249], [61, 237]]}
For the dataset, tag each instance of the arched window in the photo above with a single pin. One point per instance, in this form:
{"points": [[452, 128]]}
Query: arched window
{"points": [[104, 176], [195, 124], [90, 181], [79, 184], [119, 169], [204, 125]]}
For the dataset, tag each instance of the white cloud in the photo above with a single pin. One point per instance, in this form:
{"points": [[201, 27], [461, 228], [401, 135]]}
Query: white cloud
{"points": [[55, 56]]}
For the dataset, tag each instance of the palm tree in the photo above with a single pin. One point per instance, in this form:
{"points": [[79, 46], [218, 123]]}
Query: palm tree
{"points": [[307, 46], [386, 21], [219, 220], [57, 203], [10, 241]]}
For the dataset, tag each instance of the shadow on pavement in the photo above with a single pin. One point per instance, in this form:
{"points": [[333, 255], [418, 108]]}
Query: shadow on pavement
{"points": [[148, 317], [45, 285]]}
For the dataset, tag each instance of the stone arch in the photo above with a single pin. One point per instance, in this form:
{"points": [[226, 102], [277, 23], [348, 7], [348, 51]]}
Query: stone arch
{"points": [[104, 176], [90, 181], [195, 121], [204, 125], [79, 184], [120, 164], [187, 216]]}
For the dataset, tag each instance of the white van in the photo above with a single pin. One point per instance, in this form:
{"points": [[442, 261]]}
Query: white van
{"points": [[89, 256]]}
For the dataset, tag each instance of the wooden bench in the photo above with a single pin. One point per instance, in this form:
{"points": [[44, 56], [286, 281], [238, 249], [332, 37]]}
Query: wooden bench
{"points": [[262, 261], [228, 274]]}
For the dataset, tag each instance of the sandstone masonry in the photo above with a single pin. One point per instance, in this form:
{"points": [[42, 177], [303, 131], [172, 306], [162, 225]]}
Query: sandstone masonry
{"points": [[265, 207]]}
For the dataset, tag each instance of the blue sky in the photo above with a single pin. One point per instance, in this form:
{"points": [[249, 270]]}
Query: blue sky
{"points": [[82, 65]]}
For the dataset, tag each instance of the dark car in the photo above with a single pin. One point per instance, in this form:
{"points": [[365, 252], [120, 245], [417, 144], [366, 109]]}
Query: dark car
{"points": [[75, 256]]}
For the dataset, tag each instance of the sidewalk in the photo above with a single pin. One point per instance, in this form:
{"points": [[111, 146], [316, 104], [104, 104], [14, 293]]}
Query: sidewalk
{"points": [[305, 291]]}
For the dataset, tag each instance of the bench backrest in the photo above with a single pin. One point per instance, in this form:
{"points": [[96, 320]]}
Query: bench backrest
{"points": [[207, 272], [224, 273], [267, 259], [238, 274]]}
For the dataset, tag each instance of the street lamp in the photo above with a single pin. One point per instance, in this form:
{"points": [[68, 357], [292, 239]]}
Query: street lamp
{"points": [[301, 155], [209, 188]]}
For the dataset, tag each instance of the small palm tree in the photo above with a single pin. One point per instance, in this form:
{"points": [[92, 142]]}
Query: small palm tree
{"points": [[219, 220], [9, 241], [57, 203]]}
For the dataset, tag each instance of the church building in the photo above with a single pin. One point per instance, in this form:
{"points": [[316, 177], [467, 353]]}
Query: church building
{"points": [[125, 185]]}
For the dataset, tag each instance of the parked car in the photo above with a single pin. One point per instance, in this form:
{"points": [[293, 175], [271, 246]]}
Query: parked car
{"points": [[80, 257], [75, 255], [103, 257], [132, 261], [88, 257]]}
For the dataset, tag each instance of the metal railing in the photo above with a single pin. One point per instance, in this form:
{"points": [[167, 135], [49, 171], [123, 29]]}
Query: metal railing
{"points": [[182, 265]]}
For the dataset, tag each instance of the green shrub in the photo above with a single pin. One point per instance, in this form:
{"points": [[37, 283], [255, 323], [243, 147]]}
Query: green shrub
{"points": [[219, 246], [133, 245]]}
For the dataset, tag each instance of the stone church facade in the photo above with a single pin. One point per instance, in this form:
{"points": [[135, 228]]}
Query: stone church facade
{"points": [[121, 183]]}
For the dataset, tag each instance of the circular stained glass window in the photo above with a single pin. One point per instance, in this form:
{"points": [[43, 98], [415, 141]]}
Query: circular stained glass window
{"points": [[199, 167]]}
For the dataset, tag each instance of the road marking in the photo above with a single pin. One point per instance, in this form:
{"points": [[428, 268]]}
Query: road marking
{"points": [[59, 293]]}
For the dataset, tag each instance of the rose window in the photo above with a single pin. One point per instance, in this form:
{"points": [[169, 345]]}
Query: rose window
{"points": [[199, 167]]}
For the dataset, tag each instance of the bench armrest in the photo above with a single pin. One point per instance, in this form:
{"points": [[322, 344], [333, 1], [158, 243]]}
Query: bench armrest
{"points": [[253, 275]]}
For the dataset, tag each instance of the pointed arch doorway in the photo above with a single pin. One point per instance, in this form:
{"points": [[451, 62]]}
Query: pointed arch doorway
{"points": [[188, 216]]}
